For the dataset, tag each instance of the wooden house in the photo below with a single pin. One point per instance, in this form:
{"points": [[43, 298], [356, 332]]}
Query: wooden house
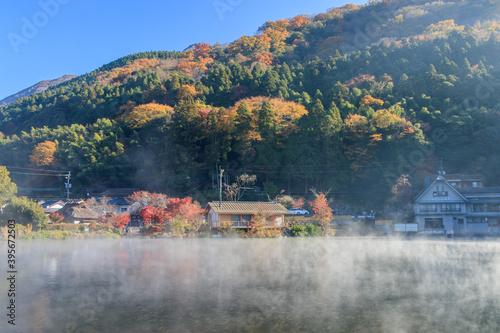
{"points": [[239, 214]]}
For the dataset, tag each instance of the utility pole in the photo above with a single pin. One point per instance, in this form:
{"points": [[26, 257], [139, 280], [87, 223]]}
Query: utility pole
{"points": [[220, 186], [68, 185]]}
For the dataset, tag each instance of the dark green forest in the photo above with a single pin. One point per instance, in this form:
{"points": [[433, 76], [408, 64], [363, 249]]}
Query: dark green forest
{"points": [[345, 101]]}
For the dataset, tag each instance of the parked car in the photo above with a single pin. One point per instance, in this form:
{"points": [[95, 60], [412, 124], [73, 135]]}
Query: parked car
{"points": [[298, 211]]}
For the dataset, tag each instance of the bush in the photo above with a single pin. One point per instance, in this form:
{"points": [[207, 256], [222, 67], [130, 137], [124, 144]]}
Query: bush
{"points": [[298, 230], [263, 232], [63, 227], [24, 211], [313, 230], [308, 230]]}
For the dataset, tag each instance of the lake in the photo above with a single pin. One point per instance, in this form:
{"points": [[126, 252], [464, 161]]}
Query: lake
{"points": [[254, 285]]}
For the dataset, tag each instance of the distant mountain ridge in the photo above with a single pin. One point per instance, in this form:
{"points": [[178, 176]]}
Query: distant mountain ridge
{"points": [[36, 88]]}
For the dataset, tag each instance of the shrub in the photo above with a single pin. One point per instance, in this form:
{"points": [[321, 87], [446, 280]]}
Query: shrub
{"points": [[313, 230], [71, 227], [298, 230]]}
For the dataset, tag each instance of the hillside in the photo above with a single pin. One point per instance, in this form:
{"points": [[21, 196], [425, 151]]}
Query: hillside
{"points": [[35, 89], [348, 100]]}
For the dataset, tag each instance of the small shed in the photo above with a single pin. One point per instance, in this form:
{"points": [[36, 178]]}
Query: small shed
{"points": [[239, 214]]}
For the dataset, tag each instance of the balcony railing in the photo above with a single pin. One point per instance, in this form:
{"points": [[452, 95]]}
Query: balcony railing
{"points": [[449, 210]]}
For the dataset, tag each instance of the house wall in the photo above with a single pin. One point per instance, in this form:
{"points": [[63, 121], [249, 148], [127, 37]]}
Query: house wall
{"points": [[478, 228], [215, 220]]}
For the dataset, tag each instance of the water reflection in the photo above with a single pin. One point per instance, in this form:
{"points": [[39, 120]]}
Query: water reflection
{"points": [[285, 285]]}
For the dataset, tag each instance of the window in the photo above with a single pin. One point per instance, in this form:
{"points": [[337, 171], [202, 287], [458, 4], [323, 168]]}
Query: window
{"points": [[450, 208], [434, 223], [240, 220], [474, 184], [493, 221], [477, 220], [279, 221], [485, 207], [440, 192], [123, 210], [428, 208]]}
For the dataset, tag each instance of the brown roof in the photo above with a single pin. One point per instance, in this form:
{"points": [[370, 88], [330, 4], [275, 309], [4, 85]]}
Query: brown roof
{"points": [[242, 207], [78, 211]]}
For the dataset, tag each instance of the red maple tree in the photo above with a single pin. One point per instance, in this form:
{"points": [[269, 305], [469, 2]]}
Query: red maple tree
{"points": [[322, 212], [184, 208], [151, 215], [55, 217]]}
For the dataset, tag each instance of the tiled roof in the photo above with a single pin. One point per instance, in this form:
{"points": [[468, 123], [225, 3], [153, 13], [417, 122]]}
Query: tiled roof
{"points": [[478, 190], [242, 207], [119, 201]]}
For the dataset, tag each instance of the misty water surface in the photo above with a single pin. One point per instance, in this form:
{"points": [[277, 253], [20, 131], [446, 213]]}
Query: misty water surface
{"points": [[268, 285]]}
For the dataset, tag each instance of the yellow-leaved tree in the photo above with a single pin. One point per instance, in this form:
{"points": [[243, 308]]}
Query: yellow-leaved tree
{"points": [[144, 113], [43, 153]]}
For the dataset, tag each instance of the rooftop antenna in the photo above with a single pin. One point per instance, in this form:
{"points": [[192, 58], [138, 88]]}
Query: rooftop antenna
{"points": [[221, 171], [441, 168]]}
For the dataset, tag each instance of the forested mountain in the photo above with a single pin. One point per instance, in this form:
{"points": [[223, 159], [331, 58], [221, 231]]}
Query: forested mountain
{"points": [[36, 88], [347, 101]]}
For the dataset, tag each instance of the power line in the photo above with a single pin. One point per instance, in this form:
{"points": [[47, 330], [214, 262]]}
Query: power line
{"points": [[34, 169]]}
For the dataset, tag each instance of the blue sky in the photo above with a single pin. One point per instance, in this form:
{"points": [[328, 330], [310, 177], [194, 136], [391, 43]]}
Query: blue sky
{"points": [[45, 39]]}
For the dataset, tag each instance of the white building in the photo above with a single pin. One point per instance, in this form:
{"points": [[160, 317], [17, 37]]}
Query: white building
{"points": [[444, 209]]}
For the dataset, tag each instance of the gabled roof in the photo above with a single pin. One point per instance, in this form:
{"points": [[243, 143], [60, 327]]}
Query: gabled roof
{"points": [[50, 203], [438, 179], [242, 207]]}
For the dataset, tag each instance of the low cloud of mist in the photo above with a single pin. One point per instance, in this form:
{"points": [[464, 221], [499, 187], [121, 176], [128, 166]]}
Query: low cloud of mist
{"points": [[239, 285]]}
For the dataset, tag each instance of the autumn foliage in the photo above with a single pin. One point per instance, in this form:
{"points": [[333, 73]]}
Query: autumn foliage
{"points": [[198, 58], [322, 212], [370, 101], [55, 217], [115, 220], [142, 114], [151, 215], [160, 209], [285, 114], [298, 203], [120, 74], [43, 153]]}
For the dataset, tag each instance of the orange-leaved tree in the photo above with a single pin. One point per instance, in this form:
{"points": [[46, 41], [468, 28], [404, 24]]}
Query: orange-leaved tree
{"points": [[322, 211], [43, 153], [298, 203]]}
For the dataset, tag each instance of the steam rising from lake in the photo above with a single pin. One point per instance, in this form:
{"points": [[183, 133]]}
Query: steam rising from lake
{"points": [[268, 285]]}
